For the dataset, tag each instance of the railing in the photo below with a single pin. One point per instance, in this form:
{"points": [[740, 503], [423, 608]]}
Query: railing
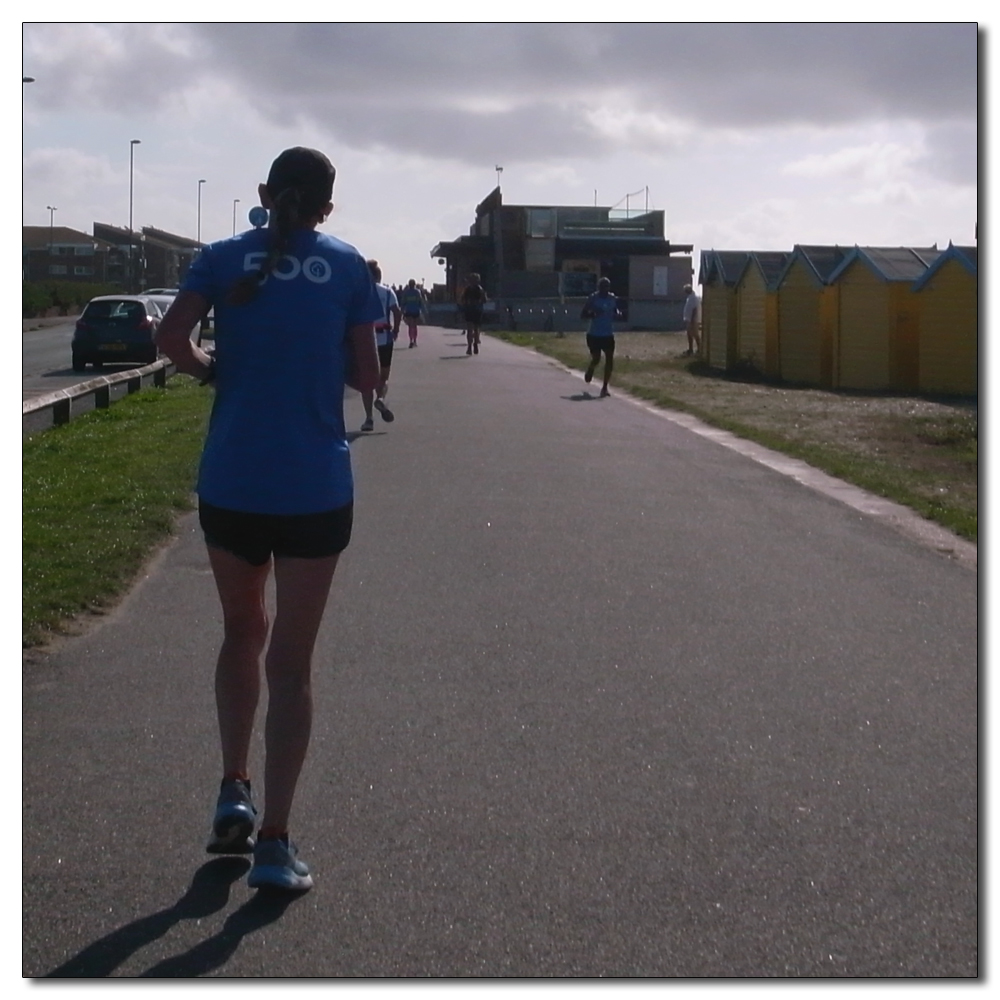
{"points": [[57, 407]]}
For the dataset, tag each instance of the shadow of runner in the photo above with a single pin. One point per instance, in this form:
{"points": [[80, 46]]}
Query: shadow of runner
{"points": [[207, 894], [266, 907]]}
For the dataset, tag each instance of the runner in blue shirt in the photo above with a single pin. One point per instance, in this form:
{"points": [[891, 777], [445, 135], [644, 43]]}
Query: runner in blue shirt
{"points": [[602, 310], [294, 320]]}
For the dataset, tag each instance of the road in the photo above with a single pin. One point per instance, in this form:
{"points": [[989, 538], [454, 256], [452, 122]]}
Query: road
{"points": [[595, 696], [45, 359]]}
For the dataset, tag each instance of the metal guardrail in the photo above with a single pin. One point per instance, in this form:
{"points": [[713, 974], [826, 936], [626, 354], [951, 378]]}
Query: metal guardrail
{"points": [[60, 403]]}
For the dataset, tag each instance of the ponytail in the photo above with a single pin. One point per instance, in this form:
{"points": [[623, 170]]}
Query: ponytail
{"points": [[286, 219]]}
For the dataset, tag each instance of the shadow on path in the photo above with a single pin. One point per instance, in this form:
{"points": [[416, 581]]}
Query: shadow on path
{"points": [[207, 894]]}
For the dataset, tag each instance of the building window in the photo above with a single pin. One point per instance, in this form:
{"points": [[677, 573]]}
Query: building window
{"points": [[86, 251], [542, 222], [83, 270], [58, 269]]}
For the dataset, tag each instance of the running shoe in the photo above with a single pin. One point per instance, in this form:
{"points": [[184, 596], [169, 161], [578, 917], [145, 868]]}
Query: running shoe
{"points": [[368, 425], [235, 816], [604, 392], [387, 415], [475, 348], [276, 866], [468, 350], [588, 374]]}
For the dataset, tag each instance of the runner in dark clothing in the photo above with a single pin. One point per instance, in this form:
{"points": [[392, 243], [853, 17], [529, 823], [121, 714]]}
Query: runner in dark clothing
{"points": [[472, 302]]}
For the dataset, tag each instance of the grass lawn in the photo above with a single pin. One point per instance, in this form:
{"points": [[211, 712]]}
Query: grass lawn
{"points": [[99, 494], [918, 451]]}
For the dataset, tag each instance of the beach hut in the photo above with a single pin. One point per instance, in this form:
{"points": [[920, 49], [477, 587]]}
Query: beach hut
{"points": [[719, 273], [757, 311], [948, 320], [876, 340], [807, 314]]}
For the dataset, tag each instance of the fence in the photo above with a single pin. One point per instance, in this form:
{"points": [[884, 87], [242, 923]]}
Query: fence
{"points": [[61, 406]]}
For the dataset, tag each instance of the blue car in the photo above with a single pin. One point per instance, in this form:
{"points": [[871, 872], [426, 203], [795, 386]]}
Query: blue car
{"points": [[116, 329]]}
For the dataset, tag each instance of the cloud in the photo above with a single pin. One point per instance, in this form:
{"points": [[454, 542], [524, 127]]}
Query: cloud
{"points": [[529, 92]]}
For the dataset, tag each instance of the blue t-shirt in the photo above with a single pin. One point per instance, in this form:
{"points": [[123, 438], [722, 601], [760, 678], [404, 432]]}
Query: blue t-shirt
{"points": [[276, 441], [411, 301], [604, 308]]}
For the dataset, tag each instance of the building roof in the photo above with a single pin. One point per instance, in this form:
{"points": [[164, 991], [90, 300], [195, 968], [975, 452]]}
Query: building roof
{"points": [[771, 264], [728, 265], [39, 237], [170, 240], [968, 257], [890, 263]]}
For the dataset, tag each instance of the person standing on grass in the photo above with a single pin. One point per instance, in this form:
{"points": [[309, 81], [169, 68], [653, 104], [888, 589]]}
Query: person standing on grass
{"points": [[472, 302], [692, 320], [602, 310], [294, 314], [412, 303], [386, 332]]}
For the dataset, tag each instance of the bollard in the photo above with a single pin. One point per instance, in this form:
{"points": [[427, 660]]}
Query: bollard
{"points": [[60, 412], [102, 397]]}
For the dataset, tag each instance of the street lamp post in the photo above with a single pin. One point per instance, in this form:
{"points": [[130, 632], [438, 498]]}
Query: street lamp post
{"points": [[131, 240], [236, 201], [52, 210], [498, 241], [202, 181]]}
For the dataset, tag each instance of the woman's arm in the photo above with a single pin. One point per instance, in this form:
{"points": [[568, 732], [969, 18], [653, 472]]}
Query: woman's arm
{"points": [[364, 372], [174, 335]]}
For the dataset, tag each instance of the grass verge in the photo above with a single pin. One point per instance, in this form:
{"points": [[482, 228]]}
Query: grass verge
{"points": [[98, 494], [918, 451]]}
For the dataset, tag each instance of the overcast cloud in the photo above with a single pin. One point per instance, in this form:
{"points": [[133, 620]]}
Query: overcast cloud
{"points": [[720, 121]]}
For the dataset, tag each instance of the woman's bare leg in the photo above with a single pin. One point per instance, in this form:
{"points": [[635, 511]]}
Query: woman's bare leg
{"points": [[302, 587], [237, 672]]}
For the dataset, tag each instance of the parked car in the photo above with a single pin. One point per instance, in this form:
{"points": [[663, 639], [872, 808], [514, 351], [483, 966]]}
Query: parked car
{"points": [[118, 329], [172, 292], [162, 300]]}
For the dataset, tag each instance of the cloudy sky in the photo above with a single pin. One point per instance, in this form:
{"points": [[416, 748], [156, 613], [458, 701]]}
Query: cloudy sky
{"points": [[749, 136]]}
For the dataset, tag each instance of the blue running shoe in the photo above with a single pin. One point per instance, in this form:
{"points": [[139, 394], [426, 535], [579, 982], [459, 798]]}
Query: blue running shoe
{"points": [[276, 866], [235, 818]]}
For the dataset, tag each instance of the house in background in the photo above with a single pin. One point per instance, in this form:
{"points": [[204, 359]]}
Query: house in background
{"points": [[57, 253], [160, 259], [542, 261]]}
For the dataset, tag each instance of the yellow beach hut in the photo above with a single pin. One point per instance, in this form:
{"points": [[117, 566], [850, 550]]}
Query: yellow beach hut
{"points": [[876, 340], [757, 311], [719, 272], [948, 318], [807, 314]]}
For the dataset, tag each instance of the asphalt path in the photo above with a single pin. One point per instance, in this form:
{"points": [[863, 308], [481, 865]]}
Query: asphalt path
{"points": [[595, 696]]}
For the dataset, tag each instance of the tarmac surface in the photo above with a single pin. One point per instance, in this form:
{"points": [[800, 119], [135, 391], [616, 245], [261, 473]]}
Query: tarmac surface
{"points": [[597, 695]]}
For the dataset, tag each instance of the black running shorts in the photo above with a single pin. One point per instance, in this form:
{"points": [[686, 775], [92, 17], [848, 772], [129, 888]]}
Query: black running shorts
{"points": [[255, 538], [385, 355], [597, 344]]}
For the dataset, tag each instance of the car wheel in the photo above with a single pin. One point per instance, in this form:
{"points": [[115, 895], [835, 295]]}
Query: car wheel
{"points": [[98, 365], [79, 364]]}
